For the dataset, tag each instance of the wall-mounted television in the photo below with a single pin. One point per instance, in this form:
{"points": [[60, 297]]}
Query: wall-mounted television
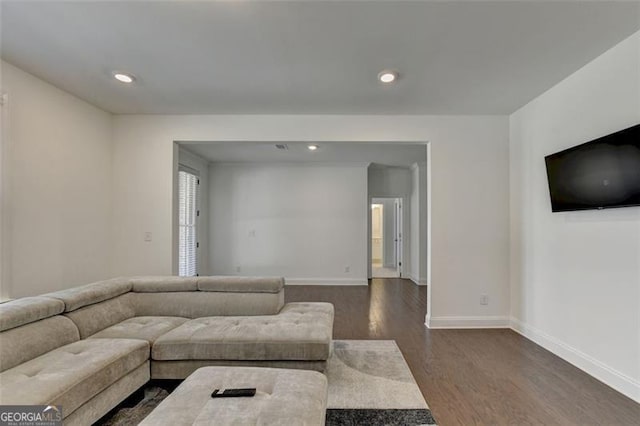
{"points": [[602, 173]]}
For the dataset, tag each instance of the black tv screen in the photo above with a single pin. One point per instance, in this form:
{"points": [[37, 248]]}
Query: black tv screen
{"points": [[603, 173]]}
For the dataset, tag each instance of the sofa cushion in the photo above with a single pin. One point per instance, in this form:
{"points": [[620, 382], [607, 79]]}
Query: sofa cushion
{"points": [[196, 304], [29, 341], [301, 331], [163, 284], [72, 374], [283, 397], [77, 297], [241, 284], [145, 328], [28, 309], [94, 409], [94, 318]]}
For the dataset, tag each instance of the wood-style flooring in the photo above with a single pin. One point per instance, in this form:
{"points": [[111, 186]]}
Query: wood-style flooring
{"points": [[472, 377]]}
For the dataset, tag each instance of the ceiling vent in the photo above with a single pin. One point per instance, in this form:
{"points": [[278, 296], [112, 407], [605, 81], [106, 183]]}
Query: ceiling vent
{"points": [[282, 147]]}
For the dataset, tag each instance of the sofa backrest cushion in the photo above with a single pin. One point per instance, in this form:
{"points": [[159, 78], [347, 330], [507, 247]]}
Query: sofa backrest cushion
{"points": [[164, 284], [232, 284], [77, 297], [241, 284], [21, 344], [198, 304], [93, 318], [26, 310]]}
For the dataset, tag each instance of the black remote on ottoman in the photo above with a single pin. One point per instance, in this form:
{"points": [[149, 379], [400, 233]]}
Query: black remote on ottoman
{"points": [[233, 393]]}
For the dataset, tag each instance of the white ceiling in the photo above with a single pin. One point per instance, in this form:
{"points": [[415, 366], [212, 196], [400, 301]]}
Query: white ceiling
{"points": [[310, 57], [388, 154]]}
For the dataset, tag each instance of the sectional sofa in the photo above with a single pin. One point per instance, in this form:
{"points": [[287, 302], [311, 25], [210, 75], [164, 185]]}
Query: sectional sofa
{"points": [[89, 347]]}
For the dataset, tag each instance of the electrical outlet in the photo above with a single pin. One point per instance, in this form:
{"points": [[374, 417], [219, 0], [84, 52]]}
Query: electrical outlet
{"points": [[252, 233], [237, 269], [148, 237], [347, 269], [484, 299]]}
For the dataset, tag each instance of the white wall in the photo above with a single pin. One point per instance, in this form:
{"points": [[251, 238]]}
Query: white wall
{"points": [[469, 192], [4, 204], [386, 181], [575, 278], [201, 167], [419, 227], [60, 148], [305, 222], [57, 177], [414, 205]]}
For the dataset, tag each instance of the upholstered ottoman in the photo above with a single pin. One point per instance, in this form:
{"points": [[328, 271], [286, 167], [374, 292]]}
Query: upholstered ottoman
{"points": [[283, 397]]}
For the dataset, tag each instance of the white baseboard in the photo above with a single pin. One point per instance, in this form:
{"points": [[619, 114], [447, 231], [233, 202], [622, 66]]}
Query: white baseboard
{"points": [[326, 281], [467, 322], [610, 376], [416, 280]]}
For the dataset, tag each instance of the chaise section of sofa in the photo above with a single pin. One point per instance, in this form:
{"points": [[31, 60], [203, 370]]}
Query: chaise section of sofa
{"points": [[43, 361], [299, 336]]}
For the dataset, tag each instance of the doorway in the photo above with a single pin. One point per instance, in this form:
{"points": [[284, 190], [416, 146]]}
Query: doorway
{"points": [[386, 238]]}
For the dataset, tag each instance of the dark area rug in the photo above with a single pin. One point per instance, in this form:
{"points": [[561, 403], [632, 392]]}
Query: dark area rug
{"points": [[372, 416], [126, 416]]}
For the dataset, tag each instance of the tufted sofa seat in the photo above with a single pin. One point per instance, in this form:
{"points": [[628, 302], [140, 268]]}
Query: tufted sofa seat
{"points": [[89, 347], [73, 374], [145, 328]]}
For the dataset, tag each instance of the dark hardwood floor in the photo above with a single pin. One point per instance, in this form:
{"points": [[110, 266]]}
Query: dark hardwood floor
{"points": [[472, 377]]}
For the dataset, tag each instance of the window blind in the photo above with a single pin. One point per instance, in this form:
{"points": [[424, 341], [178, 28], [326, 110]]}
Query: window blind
{"points": [[187, 258]]}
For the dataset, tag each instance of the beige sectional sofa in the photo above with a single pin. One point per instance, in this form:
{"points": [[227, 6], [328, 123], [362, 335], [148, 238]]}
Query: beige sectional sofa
{"points": [[89, 347]]}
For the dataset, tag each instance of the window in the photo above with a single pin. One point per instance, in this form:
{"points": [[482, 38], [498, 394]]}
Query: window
{"points": [[188, 213]]}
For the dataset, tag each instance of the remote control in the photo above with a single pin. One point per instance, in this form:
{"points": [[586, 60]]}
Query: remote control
{"points": [[233, 393]]}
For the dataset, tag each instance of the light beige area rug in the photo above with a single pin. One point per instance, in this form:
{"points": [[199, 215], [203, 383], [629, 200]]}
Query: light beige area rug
{"points": [[370, 384], [371, 374]]}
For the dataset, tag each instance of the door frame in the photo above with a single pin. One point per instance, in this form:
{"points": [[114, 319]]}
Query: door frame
{"points": [[398, 232]]}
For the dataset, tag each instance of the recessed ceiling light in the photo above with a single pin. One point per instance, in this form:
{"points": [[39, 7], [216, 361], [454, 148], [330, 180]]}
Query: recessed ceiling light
{"points": [[124, 78], [312, 147], [387, 76]]}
